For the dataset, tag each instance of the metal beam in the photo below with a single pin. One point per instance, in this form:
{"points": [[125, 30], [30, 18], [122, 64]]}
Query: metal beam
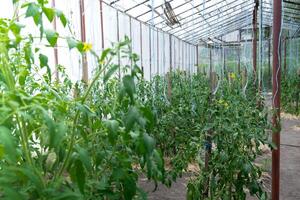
{"points": [[185, 28], [218, 27], [276, 100]]}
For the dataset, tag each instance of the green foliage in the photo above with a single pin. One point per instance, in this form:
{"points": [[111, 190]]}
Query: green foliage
{"points": [[64, 140], [193, 120], [290, 93], [61, 140]]}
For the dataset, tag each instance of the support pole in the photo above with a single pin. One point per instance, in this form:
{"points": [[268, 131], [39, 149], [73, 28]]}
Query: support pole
{"points": [[101, 23], [197, 59], [260, 74], [118, 39], [276, 99], [269, 56], [239, 53], [254, 49], [55, 48], [170, 72], [83, 39], [141, 43]]}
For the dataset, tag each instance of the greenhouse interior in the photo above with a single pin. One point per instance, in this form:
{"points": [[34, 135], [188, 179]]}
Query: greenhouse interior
{"points": [[150, 99]]}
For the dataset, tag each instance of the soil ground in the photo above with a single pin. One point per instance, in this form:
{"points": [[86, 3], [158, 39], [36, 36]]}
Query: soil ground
{"points": [[289, 168]]}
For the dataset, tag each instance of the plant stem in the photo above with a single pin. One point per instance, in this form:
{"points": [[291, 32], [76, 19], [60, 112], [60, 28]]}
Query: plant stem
{"points": [[72, 141]]}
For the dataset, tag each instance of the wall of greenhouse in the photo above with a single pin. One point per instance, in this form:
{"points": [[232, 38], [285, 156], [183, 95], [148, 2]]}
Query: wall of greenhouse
{"points": [[151, 44], [159, 51]]}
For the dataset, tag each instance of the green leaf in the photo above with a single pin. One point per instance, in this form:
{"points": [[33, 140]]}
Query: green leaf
{"points": [[44, 63], [84, 157], [129, 188], [72, 43], [7, 140], [129, 86], [80, 175], [62, 17], [149, 143], [50, 13], [113, 127], [110, 72], [104, 54], [43, 60], [131, 118], [16, 28], [52, 37], [33, 9]]}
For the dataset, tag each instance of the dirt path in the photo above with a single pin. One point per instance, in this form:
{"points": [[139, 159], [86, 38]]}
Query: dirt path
{"points": [[290, 158], [290, 168]]}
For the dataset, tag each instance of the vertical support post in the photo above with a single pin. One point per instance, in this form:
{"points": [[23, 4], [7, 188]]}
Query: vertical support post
{"points": [[276, 99], [239, 52], [254, 45], [150, 51], [260, 46], [141, 43], [131, 44], [197, 59], [83, 39], [224, 63], [55, 48], [101, 23], [170, 72], [269, 56], [209, 133], [210, 63], [157, 41], [118, 38]]}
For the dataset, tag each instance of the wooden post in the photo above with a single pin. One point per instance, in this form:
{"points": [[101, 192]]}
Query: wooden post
{"points": [[197, 59], [83, 39], [170, 72], [208, 143], [55, 48], [141, 43], [101, 23], [269, 56], [239, 53], [254, 48]]}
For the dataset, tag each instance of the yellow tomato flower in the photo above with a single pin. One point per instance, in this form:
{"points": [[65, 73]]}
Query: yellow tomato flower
{"points": [[87, 47], [232, 76], [226, 105]]}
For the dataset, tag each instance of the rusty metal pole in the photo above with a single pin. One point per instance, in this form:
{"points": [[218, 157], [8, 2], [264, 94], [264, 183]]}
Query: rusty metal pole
{"points": [[269, 57], [170, 72], [157, 43], [239, 53], [118, 38], [254, 48], [141, 43], [101, 23], [276, 99], [197, 59], [83, 39], [150, 52], [55, 48]]}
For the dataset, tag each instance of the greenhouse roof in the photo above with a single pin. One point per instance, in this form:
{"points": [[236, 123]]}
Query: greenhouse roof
{"points": [[194, 21]]}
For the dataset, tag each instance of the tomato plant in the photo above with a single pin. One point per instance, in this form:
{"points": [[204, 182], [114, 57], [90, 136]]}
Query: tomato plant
{"points": [[290, 93], [61, 140]]}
